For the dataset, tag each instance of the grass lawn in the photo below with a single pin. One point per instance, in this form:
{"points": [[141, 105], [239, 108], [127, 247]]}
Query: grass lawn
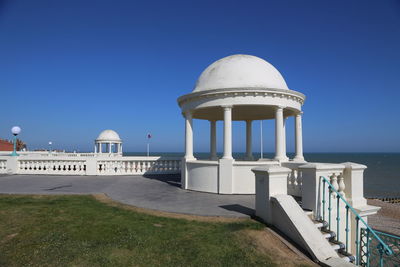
{"points": [[82, 231]]}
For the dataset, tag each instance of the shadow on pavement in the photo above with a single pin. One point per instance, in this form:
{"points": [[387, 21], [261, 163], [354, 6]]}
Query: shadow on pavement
{"points": [[240, 209], [171, 179]]}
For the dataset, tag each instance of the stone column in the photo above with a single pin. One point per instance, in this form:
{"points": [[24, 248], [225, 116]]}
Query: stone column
{"points": [[100, 148], [95, 148], [284, 138], [109, 148], [188, 135], [213, 140], [120, 148], [298, 137], [227, 132], [249, 152], [279, 135]]}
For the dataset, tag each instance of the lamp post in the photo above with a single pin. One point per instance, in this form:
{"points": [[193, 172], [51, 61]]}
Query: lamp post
{"points": [[15, 131]]}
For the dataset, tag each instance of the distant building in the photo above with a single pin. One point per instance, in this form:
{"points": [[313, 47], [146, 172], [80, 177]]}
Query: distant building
{"points": [[6, 145]]}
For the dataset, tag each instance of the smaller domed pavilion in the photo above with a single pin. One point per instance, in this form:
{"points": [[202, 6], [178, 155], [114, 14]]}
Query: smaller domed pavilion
{"points": [[109, 142]]}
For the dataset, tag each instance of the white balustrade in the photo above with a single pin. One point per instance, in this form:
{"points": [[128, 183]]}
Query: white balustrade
{"points": [[138, 166], [295, 182], [50, 166]]}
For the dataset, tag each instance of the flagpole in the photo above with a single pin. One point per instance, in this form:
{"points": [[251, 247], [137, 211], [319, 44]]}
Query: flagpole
{"points": [[261, 140], [148, 143]]}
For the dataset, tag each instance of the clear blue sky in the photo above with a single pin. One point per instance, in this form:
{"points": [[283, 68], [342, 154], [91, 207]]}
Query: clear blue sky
{"points": [[69, 69]]}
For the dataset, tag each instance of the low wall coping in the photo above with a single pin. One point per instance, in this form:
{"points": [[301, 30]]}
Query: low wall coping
{"points": [[323, 166], [271, 169]]}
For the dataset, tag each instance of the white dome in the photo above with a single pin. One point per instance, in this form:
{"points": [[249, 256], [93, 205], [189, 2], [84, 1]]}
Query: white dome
{"points": [[240, 71], [108, 135]]}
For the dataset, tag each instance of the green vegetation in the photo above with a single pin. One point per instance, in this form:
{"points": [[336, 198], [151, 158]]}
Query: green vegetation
{"points": [[81, 231]]}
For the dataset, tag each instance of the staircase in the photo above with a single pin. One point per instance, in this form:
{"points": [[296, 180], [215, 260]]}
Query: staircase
{"points": [[338, 246], [329, 235]]}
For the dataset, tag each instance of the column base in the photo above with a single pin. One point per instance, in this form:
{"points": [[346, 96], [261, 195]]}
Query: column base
{"points": [[299, 158], [187, 158], [281, 158]]}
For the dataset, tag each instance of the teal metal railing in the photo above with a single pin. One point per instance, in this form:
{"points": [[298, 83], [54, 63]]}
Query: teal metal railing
{"points": [[381, 247], [375, 257]]}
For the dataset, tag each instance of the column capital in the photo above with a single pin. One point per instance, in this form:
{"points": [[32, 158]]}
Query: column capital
{"points": [[187, 114], [227, 107], [277, 108], [299, 113]]}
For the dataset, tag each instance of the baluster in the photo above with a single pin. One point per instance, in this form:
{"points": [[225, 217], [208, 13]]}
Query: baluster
{"points": [[357, 243], [323, 199], [291, 182], [347, 228], [330, 207], [368, 251], [342, 186], [334, 182], [299, 181], [337, 217]]}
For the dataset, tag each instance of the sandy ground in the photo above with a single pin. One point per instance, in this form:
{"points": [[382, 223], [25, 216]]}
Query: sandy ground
{"points": [[388, 217]]}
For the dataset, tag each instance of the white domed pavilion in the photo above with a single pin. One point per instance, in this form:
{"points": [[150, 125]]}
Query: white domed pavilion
{"points": [[108, 141], [240, 88]]}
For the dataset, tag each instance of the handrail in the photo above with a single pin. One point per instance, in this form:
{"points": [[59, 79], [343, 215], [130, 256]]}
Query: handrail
{"points": [[358, 218]]}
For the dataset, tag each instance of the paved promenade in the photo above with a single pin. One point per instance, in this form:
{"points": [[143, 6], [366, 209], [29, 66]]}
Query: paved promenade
{"points": [[160, 192]]}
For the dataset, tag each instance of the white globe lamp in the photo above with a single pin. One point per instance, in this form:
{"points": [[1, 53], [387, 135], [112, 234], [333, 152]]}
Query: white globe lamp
{"points": [[15, 131]]}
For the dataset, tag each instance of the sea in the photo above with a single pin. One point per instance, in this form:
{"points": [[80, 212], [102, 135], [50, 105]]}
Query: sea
{"points": [[381, 178]]}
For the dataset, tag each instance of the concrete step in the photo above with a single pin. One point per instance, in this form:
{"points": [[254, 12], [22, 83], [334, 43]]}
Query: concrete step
{"points": [[348, 258], [328, 235], [320, 224], [337, 246]]}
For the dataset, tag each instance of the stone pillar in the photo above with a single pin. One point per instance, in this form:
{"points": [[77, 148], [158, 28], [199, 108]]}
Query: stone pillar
{"points": [[298, 137], [100, 147], [227, 132], [12, 165], [95, 148], [270, 181], [109, 148], [353, 175], [249, 152], [213, 140], [279, 135], [189, 135]]}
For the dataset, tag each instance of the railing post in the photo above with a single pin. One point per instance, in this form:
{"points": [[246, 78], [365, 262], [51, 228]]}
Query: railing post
{"points": [[91, 166], [353, 176], [12, 165], [270, 181]]}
